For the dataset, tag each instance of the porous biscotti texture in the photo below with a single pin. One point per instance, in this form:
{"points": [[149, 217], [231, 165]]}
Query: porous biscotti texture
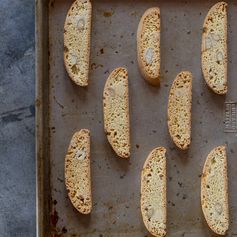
{"points": [[153, 192], [78, 172], [214, 48], [148, 45], [179, 110], [116, 112], [214, 191], [77, 33]]}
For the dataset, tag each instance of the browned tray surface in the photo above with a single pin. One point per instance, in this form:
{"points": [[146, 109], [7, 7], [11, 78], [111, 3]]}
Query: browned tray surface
{"points": [[63, 108]]}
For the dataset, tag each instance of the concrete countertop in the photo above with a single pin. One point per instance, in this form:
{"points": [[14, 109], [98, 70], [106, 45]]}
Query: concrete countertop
{"points": [[17, 119]]}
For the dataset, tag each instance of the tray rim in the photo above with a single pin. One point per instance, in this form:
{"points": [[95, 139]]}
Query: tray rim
{"points": [[41, 116]]}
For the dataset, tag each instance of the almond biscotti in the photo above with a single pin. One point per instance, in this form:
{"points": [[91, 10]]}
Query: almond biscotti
{"points": [[77, 33], [148, 45], [153, 192], [179, 110], [116, 112], [214, 191], [214, 48], [78, 172]]}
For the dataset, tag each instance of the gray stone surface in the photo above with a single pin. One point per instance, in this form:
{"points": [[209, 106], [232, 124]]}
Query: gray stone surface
{"points": [[17, 82]]}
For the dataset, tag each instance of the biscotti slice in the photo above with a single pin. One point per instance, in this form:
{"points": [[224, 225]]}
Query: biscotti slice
{"points": [[77, 33], [116, 112], [214, 48], [153, 192], [148, 45], [214, 191], [179, 110], [78, 172]]}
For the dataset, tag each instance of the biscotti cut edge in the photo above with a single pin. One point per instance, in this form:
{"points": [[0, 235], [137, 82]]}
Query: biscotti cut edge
{"points": [[116, 112], [150, 51], [153, 192], [176, 131], [215, 173], [72, 64], [78, 172], [205, 41]]}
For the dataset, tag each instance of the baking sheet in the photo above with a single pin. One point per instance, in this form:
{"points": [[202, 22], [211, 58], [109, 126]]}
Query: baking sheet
{"points": [[63, 108]]}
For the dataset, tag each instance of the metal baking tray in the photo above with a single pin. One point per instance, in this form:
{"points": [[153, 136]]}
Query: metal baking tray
{"points": [[63, 108]]}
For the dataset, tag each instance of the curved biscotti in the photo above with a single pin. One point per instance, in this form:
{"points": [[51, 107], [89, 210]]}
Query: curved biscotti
{"points": [[153, 192], [214, 48], [179, 110], [148, 45], [78, 172], [214, 191], [77, 33], [116, 112]]}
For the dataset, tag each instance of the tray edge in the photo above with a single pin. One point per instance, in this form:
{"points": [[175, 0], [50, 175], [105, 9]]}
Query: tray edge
{"points": [[41, 142]]}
